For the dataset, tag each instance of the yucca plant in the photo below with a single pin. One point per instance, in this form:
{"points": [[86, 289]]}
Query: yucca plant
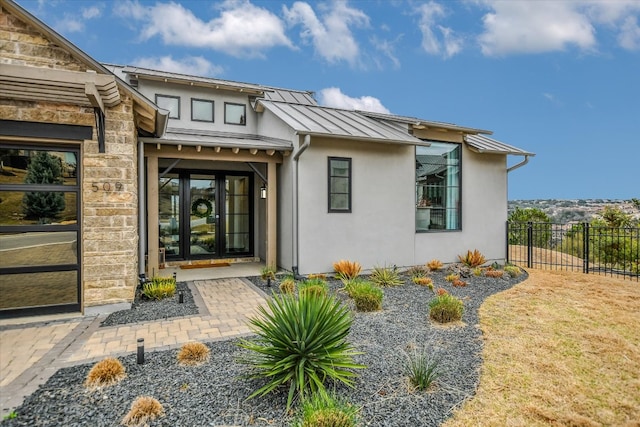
{"points": [[323, 410], [301, 342], [422, 370], [386, 277], [445, 308], [435, 265], [346, 270], [472, 259], [159, 288]]}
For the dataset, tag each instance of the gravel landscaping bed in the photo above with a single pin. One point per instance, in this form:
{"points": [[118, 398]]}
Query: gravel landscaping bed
{"points": [[214, 394], [145, 310]]}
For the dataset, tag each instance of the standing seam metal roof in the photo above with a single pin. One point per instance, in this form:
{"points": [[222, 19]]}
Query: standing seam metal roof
{"points": [[316, 120], [483, 144]]}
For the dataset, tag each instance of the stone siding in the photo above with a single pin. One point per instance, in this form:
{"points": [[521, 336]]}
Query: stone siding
{"points": [[109, 200]]}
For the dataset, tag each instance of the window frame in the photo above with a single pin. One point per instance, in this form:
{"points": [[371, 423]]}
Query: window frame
{"points": [[241, 123], [349, 161], [458, 207], [213, 112], [160, 95]]}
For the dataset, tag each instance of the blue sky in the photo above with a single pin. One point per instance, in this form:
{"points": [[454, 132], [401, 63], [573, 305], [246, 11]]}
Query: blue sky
{"points": [[558, 78]]}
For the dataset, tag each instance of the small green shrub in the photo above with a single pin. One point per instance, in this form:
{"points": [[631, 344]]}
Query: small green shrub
{"points": [[159, 288], [323, 410], [287, 286], [477, 272], [315, 287], [268, 272], [451, 277], [513, 270], [422, 370], [301, 342], [385, 276], [366, 296], [445, 308]]}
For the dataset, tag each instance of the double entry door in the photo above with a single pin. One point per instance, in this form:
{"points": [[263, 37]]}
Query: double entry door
{"points": [[205, 215]]}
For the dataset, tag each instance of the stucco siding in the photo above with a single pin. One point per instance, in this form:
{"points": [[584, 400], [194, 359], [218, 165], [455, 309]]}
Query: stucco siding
{"points": [[379, 230]]}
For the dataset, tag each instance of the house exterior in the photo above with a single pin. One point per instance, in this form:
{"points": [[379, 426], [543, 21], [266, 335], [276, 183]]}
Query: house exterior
{"points": [[160, 168]]}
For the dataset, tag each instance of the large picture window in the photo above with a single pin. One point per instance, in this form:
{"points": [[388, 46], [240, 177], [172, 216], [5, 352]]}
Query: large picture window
{"points": [[339, 184], [438, 183]]}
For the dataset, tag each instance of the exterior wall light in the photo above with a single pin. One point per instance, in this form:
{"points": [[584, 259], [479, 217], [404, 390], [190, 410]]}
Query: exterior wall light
{"points": [[263, 191]]}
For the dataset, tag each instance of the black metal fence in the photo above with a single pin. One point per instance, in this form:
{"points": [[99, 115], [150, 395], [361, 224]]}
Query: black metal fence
{"points": [[613, 251]]}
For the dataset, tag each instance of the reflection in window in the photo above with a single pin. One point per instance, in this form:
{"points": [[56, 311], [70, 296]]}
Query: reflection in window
{"points": [[20, 166], [201, 110], [47, 247], [438, 187], [38, 289], [339, 184], [171, 103], [38, 208], [235, 114]]}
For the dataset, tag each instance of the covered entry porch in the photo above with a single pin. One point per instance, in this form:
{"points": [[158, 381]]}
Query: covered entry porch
{"points": [[208, 202]]}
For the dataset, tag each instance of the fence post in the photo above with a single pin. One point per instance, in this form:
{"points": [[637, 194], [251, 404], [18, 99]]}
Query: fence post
{"points": [[507, 242], [585, 248], [529, 244]]}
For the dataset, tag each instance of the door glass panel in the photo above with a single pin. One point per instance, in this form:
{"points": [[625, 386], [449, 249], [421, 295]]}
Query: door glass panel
{"points": [[237, 215], [203, 215], [169, 214]]}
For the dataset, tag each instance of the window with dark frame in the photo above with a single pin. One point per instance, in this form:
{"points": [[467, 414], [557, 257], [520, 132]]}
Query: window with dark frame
{"points": [[170, 103], [235, 114], [201, 110], [438, 187], [339, 184]]}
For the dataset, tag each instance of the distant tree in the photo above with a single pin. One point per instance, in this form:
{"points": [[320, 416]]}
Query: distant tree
{"points": [[541, 224], [43, 205], [636, 203]]}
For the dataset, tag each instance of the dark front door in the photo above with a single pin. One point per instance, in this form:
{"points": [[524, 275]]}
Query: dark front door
{"points": [[206, 215]]}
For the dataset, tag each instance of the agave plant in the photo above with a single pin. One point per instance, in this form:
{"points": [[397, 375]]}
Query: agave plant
{"points": [[301, 342]]}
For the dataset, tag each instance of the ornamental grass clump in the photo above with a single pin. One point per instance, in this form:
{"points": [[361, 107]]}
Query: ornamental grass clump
{"points": [[107, 372], [422, 370], [315, 287], [287, 286], [472, 259], [323, 410], [386, 277], [496, 274], [423, 281], [193, 353], [159, 288], [301, 342], [346, 270], [366, 296], [445, 308], [143, 409], [451, 277], [268, 272]]}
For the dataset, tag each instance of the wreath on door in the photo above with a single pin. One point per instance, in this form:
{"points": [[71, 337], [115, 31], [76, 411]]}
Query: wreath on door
{"points": [[201, 208]]}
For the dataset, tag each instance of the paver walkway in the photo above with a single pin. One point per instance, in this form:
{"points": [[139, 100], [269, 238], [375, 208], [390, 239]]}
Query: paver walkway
{"points": [[29, 355]]}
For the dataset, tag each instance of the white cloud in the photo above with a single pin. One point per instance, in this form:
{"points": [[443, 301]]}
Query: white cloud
{"points": [[242, 29], [449, 43], [69, 24], [331, 36], [333, 97], [192, 65], [387, 47], [91, 12], [535, 27], [629, 37]]}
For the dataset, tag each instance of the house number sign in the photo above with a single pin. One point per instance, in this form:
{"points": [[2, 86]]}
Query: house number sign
{"points": [[107, 186]]}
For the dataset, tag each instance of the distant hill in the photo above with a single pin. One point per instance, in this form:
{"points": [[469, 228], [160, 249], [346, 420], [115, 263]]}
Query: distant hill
{"points": [[574, 210]]}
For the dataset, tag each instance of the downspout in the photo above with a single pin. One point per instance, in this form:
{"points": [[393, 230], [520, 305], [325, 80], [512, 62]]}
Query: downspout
{"points": [[518, 165], [142, 211], [295, 241]]}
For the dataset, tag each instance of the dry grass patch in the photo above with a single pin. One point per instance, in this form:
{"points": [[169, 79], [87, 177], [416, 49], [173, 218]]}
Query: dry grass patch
{"points": [[561, 348], [105, 373], [193, 354], [143, 409]]}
